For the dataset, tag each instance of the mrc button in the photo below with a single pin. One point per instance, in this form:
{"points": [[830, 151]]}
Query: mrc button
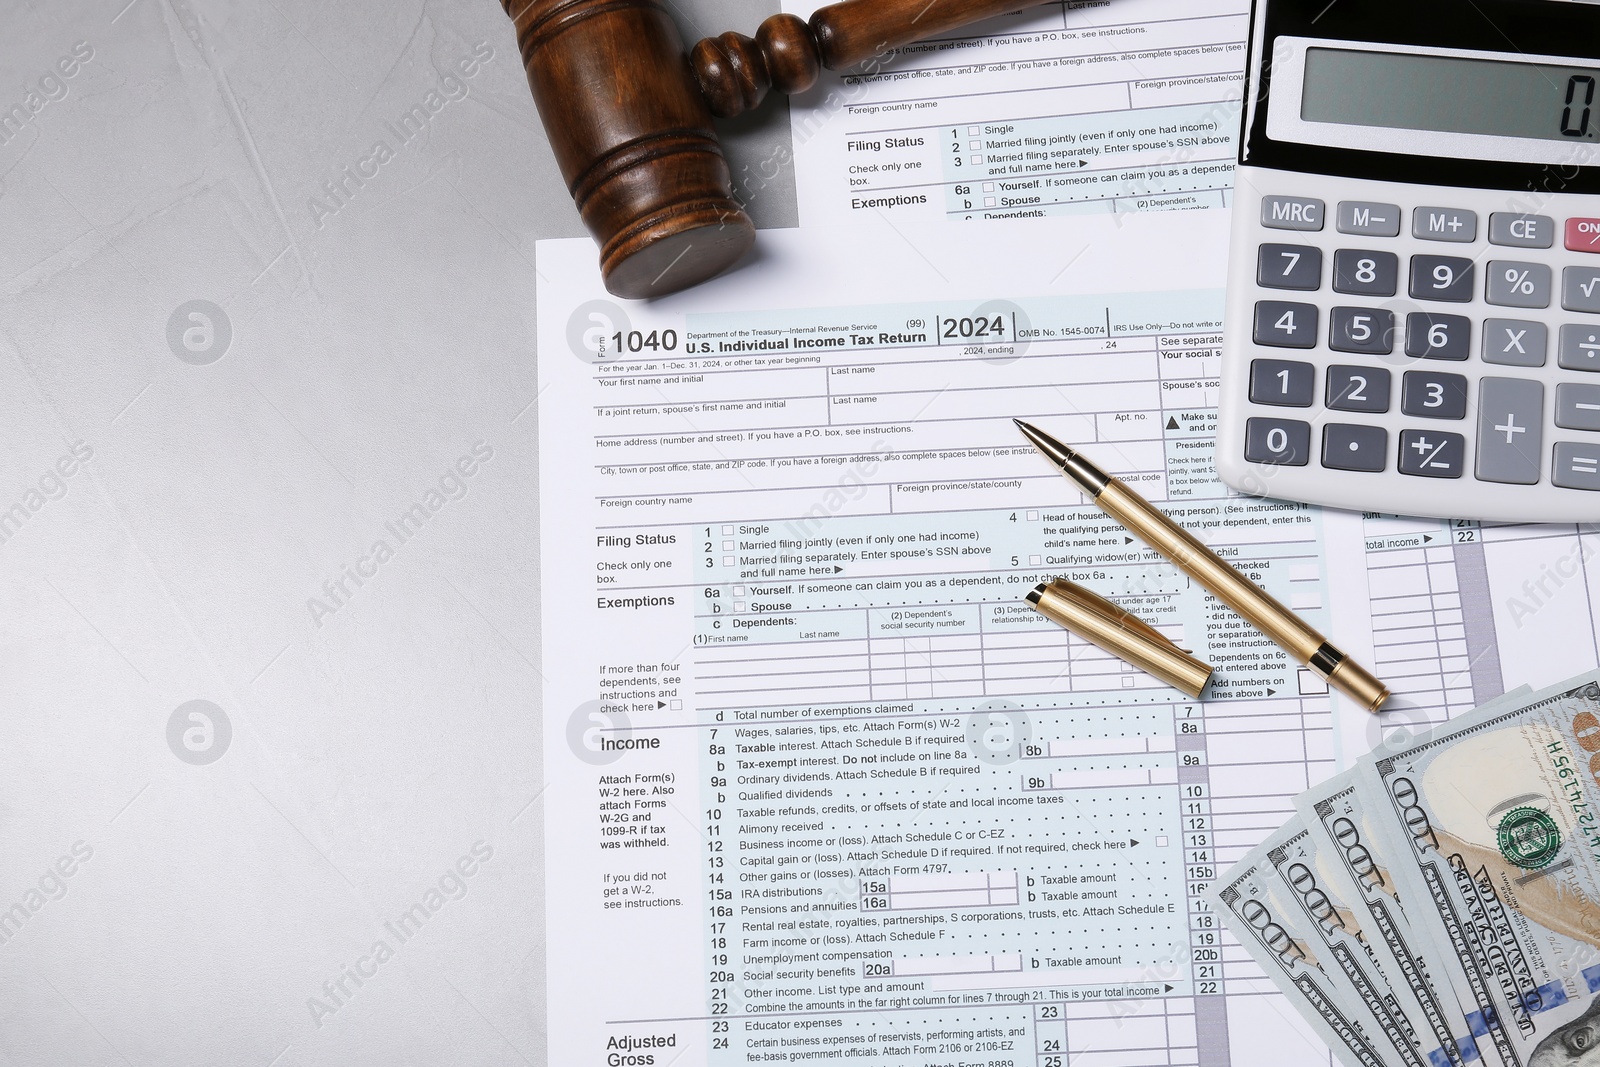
{"points": [[1583, 235], [1292, 213]]}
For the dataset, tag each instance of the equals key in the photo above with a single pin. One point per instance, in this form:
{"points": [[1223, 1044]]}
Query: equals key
{"points": [[1577, 466]]}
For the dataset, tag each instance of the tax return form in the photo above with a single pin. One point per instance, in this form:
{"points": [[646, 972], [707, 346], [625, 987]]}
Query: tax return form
{"points": [[820, 784], [1060, 109]]}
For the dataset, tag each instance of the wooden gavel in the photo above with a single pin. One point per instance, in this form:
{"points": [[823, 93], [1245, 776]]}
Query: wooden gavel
{"points": [[629, 116]]}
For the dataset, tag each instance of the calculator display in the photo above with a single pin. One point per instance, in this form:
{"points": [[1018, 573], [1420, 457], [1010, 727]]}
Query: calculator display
{"points": [[1447, 94]]}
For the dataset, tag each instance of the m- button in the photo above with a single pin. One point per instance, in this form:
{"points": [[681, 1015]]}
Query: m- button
{"points": [[1366, 219], [1583, 235]]}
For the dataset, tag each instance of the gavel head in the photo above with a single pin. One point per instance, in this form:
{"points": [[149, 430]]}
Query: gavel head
{"points": [[633, 136]]}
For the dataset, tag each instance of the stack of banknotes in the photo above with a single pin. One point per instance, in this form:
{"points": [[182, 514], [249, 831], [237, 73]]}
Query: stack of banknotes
{"points": [[1440, 903]]}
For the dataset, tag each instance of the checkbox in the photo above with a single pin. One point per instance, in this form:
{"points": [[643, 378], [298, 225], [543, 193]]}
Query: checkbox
{"points": [[972, 131], [739, 590], [976, 161], [727, 530], [975, 145], [1033, 516], [1127, 683], [727, 561], [1311, 684], [1034, 561], [1161, 841], [738, 605], [727, 546], [988, 201], [988, 187], [674, 705]]}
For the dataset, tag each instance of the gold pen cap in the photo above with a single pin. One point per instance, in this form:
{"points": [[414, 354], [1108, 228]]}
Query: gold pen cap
{"points": [[1124, 635]]}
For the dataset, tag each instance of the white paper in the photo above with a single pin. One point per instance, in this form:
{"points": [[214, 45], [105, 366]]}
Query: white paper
{"points": [[1132, 106], [820, 782], [1462, 612]]}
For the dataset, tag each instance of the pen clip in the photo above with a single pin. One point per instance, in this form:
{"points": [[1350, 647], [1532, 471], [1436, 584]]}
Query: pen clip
{"points": [[1121, 633], [1091, 601]]}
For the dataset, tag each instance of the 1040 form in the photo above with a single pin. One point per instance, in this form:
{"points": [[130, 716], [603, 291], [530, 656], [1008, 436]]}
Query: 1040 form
{"points": [[822, 786]]}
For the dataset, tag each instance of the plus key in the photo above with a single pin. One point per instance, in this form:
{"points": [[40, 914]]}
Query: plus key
{"points": [[1510, 430]]}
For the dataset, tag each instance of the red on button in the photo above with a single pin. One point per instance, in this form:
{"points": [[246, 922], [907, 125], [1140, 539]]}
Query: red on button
{"points": [[1583, 235]]}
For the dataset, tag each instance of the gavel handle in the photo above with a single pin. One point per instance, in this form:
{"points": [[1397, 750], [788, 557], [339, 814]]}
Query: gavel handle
{"points": [[786, 54]]}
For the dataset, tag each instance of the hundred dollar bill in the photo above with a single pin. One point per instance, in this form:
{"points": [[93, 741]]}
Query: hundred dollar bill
{"points": [[1492, 823], [1322, 891], [1343, 839], [1280, 938], [1343, 835]]}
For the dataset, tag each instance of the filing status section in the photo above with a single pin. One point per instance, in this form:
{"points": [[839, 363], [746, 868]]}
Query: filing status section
{"points": [[1062, 109]]}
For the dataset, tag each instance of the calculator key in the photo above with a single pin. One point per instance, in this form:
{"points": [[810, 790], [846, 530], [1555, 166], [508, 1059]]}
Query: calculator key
{"points": [[1291, 213], [1282, 382], [1518, 285], [1289, 267], [1281, 442], [1365, 273], [1510, 430], [1430, 336], [1430, 454], [1576, 466], [1355, 448], [1442, 278], [1580, 348], [1578, 406], [1369, 330], [1515, 342], [1521, 231], [1430, 395], [1281, 324], [1583, 235], [1580, 289], [1444, 224], [1358, 389], [1366, 219]]}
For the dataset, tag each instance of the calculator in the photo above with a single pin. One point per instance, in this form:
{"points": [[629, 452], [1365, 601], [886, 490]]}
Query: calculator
{"points": [[1413, 314]]}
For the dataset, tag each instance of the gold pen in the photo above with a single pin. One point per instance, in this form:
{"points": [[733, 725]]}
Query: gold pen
{"points": [[1113, 629], [1151, 526]]}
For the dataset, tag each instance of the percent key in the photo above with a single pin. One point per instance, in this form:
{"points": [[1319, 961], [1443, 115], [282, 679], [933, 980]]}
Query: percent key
{"points": [[1519, 285]]}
